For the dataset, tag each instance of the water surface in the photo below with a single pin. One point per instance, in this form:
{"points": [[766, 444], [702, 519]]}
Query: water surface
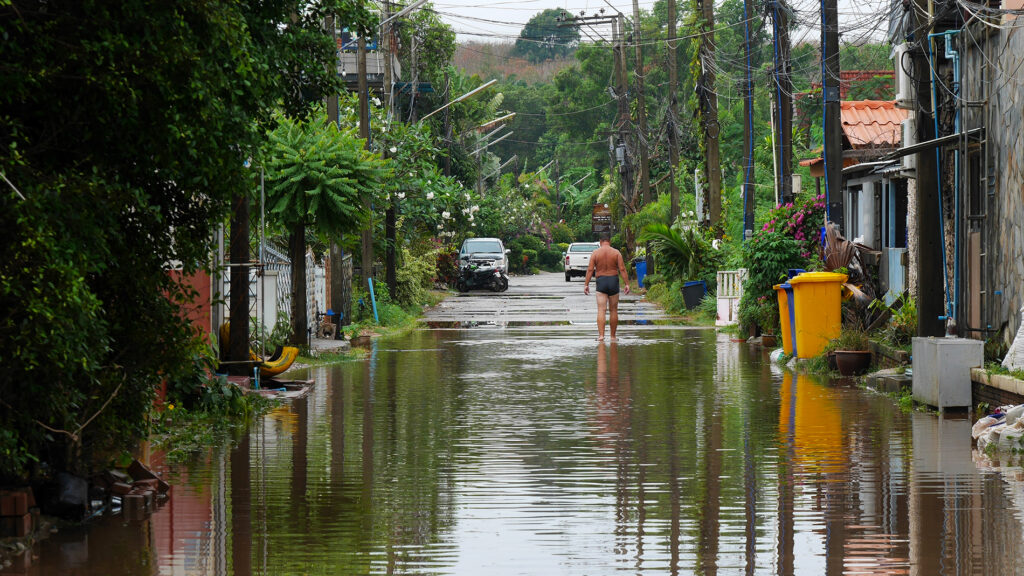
{"points": [[538, 451]]}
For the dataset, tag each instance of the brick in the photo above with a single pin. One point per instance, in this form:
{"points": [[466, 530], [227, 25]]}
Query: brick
{"points": [[139, 471], [16, 526], [151, 483], [13, 503], [120, 488]]}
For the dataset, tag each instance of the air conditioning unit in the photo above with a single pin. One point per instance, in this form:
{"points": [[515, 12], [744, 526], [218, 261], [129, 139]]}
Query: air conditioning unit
{"points": [[909, 127], [903, 62]]}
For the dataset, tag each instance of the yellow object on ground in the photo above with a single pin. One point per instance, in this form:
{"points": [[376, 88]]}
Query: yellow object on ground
{"points": [[271, 368], [818, 311], [785, 318]]}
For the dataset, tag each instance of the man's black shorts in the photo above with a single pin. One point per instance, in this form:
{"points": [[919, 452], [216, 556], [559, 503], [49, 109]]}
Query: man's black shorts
{"points": [[608, 285]]}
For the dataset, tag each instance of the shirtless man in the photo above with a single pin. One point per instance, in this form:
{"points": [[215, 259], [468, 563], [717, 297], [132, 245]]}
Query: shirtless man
{"points": [[607, 263]]}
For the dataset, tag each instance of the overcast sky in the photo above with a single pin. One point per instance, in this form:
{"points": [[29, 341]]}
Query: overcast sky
{"points": [[479, 20]]}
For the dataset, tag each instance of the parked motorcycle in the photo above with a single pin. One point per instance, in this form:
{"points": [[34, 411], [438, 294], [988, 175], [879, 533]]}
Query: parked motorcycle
{"points": [[481, 273]]}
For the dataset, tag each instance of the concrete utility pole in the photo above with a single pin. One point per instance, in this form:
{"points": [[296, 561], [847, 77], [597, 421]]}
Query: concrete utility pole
{"points": [[641, 108], [748, 124], [335, 254], [642, 138], [783, 102], [709, 107], [390, 233], [930, 251], [364, 133], [833, 133], [673, 111]]}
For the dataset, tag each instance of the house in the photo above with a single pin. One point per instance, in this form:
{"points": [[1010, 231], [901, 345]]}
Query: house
{"points": [[874, 188], [971, 65]]}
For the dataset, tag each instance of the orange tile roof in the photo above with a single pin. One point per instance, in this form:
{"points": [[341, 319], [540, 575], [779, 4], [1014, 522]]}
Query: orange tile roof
{"points": [[872, 123]]}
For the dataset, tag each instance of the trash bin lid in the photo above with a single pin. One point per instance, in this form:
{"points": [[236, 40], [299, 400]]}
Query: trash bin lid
{"points": [[783, 286], [818, 277], [694, 283]]}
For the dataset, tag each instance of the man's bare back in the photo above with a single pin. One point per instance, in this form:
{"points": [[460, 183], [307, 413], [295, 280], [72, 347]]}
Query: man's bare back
{"points": [[608, 265]]}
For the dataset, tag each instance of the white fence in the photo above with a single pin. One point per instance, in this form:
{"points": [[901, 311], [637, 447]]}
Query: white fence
{"points": [[730, 289]]}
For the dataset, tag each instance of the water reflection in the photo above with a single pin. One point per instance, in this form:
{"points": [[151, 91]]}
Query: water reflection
{"points": [[543, 452]]}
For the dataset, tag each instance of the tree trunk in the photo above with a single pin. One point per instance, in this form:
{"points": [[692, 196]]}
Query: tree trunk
{"points": [[297, 253]]}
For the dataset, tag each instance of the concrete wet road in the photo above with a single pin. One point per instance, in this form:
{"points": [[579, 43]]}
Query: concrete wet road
{"points": [[544, 299]]}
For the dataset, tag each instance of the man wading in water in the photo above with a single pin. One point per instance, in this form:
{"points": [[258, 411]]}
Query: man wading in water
{"points": [[607, 263]]}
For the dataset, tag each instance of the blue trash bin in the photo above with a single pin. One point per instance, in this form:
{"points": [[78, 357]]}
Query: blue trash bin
{"points": [[641, 271], [792, 272]]}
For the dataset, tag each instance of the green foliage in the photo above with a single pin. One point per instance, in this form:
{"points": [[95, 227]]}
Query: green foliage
{"points": [[529, 260], [415, 277], [802, 221], [683, 256], [767, 256], [902, 324], [850, 339], [543, 39], [127, 150], [318, 175], [560, 234], [551, 260]]}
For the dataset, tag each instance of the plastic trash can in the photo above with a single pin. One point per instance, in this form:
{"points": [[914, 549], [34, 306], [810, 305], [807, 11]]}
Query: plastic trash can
{"points": [[793, 272], [693, 293], [786, 314], [817, 311], [641, 271]]}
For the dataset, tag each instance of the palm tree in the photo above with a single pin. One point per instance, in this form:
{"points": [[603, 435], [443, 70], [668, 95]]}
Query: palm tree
{"points": [[317, 177]]}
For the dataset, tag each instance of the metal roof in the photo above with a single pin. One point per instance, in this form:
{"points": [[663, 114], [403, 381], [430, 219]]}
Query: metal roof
{"points": [[872, 123]]}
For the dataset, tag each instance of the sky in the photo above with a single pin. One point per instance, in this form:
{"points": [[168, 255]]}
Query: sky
{"points": [[502, 20]]}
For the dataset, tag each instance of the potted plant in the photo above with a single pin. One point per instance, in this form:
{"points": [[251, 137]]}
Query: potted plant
{"points": [[852, 352], [768, 320]]}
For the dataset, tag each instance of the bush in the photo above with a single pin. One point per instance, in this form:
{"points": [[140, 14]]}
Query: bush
{"points": [[551, 260], [767, 257], [561, 234], [529, 259], [415, 277], [801, 221]]}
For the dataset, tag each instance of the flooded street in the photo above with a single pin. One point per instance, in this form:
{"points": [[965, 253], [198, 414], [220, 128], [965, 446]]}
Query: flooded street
{"points": [[536, 450]]}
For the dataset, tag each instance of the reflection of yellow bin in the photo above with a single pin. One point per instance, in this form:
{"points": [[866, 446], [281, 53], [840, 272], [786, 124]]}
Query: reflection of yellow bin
{"points": [[818, 313], [785, 315]]}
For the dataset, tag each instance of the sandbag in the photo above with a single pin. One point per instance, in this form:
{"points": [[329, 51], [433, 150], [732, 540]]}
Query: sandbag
{"points": [[1014, 359]]}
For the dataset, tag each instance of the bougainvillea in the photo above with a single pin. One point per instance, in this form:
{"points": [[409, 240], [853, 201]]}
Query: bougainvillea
{"points": [[801, 221]]}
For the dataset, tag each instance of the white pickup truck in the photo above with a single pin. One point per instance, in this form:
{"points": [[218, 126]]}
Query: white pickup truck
{"points": [[577, 258]]}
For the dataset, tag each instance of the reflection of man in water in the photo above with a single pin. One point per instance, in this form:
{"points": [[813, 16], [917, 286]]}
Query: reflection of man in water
{"points": [[607, 263]]}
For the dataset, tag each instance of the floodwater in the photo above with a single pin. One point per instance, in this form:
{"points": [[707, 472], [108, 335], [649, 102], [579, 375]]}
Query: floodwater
{"points": [[539, 451]]}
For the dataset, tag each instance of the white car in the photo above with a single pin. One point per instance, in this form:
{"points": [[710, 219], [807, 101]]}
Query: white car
{"points": [[577, 258], [484, 248]]}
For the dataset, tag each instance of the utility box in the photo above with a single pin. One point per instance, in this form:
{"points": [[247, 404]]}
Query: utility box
{"points": [[942, 370]]}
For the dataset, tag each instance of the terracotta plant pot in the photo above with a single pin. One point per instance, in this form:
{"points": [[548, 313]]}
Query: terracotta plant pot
{"points": [[852, 362], [768, 340]]}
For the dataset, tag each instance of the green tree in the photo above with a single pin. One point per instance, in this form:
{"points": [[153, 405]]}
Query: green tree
{"points": [[317, 177], [124, 126], [542, 38]]}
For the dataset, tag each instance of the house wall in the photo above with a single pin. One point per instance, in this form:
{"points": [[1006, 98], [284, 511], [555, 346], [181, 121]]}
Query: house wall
{"points": [[1002, 80]]}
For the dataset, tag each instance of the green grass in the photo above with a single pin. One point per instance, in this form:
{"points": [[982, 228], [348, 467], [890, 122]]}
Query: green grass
{"points": [[997, 368]]}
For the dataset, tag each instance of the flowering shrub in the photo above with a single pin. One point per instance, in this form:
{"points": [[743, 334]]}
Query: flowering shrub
{"points": [[801, 222]]}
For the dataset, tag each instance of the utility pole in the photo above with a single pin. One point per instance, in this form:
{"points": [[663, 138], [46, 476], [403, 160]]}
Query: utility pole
{"points": [[673, 111], [364, 133], [930, 258], [335, 254], [641, 108], [832, 130], [238, 339], [748, 125], [783, 102], [558, 206], [641, 114], [709, 107], [390, 262]]}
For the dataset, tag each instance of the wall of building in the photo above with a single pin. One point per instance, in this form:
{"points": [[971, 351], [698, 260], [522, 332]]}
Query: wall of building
{"points": [[994, 67]]}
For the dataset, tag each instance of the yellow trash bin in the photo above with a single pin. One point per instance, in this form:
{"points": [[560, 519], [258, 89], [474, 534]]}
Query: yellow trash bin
{"points": [[784, 293], [818, 311]]}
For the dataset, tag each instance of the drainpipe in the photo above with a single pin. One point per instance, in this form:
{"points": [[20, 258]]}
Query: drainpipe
{"points": [[938, 173], [953, 55]]}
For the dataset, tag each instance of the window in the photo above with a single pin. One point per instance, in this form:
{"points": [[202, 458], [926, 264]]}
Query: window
{"points": [[483, 246], [583, 248]]}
